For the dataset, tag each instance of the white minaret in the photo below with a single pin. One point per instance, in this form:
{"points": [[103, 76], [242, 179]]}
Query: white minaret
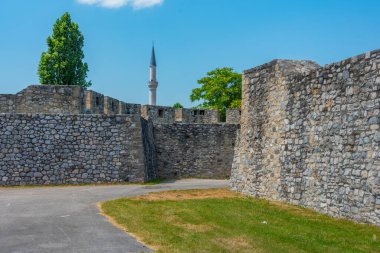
{"points": [[153, 84]]}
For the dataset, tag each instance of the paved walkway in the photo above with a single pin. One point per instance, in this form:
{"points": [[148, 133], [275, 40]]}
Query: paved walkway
{"points": [[66, 219]]}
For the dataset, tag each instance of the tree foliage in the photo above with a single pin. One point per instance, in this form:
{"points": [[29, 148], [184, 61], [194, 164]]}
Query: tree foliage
{"points": [[177, 105], [63, 64], [220, 89]]}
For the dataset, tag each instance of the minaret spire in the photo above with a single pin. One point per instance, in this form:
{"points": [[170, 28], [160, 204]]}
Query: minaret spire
{"points": [[153, 58], [153, 84]]}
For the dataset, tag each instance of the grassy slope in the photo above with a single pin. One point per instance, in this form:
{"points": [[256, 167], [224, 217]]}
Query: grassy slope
{"points": [[236, 224]]}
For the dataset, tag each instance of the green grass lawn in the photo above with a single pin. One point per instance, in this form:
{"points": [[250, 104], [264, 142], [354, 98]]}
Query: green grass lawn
{"points": [[221, 221]]}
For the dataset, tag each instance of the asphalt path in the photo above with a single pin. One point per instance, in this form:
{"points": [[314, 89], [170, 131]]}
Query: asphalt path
{"points": [[66, 219]]}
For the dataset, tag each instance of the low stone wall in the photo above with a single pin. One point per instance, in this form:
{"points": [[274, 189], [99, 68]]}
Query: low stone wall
{"points": [[70, 149], [194, 150], [310, 136]]}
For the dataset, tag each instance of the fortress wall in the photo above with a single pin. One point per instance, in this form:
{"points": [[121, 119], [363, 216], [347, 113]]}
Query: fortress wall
{"points": [[47, 99], [158, 114], [200, 116], [128, 108], [194, 150], [94, 102], [233, 116], [150, 156], [65, 99], [111, 106], [7, 104], [310, 136], [170, 115], [69, 149]]}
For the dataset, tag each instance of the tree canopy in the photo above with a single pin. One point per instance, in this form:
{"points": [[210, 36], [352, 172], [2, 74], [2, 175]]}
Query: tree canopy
{"points": [[63, 64], [177, 105], [220, 89]]}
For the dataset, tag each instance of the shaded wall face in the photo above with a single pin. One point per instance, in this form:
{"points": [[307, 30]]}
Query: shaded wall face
{"points": [[70, 149], [150, 156], [194, 150], [313, 138]]}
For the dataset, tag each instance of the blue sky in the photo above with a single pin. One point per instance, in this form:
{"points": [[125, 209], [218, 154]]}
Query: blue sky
{"points": [[192, 37]]}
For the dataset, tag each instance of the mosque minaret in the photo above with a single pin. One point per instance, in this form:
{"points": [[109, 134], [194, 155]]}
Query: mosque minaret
{"points": [[153, 84]]}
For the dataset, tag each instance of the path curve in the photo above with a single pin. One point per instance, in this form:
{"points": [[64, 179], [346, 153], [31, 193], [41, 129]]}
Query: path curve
{"points": [[66, 219]]}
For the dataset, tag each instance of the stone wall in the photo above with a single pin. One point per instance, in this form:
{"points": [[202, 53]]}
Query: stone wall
{"points": [[199, 116], [94, 102], [50, 99], [310, 136], [70, 135], [111, 105], [158, 114], [194, 150], [233, 116], [70, 149], [170, 115], [7, 103], [64, 99], [128, 108], [150, 156]]}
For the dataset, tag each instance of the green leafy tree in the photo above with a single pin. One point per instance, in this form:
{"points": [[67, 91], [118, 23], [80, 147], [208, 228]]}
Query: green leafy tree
{"points": [[177, 105], [63, 64], [220, 89]]}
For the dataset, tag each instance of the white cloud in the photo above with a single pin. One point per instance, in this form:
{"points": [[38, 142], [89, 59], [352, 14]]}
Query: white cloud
{"points": [[136, 4]]}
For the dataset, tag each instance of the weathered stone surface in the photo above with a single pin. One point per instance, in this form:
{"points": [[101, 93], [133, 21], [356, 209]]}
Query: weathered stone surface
{"points": [[233, 116], [194, 150], [67, 149], [64, 99], [73, 135], [170, 115], [309, 136], [44, 99], [198, 116]]}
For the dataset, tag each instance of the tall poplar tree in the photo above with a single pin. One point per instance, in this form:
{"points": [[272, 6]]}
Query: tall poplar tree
{"points": [[63, 64]]}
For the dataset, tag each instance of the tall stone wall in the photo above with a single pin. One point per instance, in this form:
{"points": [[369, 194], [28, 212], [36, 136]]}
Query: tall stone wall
{"points": [[68, 149], [194, 150], [150, 156], [310, 136]]}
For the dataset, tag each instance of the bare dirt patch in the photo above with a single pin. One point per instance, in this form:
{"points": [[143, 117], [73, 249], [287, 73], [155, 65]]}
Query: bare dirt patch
{"points": [[190, 194], [235, 244]]}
